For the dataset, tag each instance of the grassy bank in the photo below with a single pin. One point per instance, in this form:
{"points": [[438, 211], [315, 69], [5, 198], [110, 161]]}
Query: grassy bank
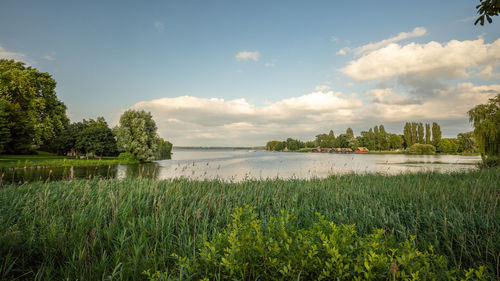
{"points": [[90, 229], [44, 159]]}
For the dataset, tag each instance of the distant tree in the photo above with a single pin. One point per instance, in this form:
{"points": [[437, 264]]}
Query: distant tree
{"points": [[395, 141], [487, 9], [163, 149], [486, 121], [275, 146], [137, 134], [407, 134], [349, 132], [31, 112], [342, 141], [96, 138], [310, 144], [445, 145], [383, 138], [376, 138], [414, 133], [466, 141], [436, 133], [427, 133], [421, 136]]}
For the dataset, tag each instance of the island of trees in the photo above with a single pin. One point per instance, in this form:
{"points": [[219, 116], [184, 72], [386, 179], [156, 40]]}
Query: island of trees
{"points": [[32, 118]]}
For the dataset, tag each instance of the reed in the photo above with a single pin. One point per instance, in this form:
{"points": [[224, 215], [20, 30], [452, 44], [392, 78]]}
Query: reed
{"points": [[98, 229]]}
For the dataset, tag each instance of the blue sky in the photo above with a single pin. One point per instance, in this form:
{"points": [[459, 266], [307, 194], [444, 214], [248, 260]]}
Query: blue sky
{"points": [[179, 60]]}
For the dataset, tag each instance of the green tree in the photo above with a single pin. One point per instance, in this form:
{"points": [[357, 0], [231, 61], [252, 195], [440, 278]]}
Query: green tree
{"points": [[96, 138], [436, 133], [30, 108], [376, 138], [487, 9], [421, 136], [414, 134], [427, 133], [407, 134], [136, 134], [466, 142], [382, 138], [486, 121], [163, 149], [350, 132], [395, 141]]}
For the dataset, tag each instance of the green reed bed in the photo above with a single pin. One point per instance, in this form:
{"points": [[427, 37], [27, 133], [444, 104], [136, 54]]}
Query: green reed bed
{"points": [[99, 229]]}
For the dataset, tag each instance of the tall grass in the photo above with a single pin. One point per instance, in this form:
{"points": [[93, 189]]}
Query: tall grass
{"points": [[99, 229]]}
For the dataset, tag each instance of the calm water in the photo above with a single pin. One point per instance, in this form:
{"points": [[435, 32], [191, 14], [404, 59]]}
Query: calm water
{"points": [[236, 165]]}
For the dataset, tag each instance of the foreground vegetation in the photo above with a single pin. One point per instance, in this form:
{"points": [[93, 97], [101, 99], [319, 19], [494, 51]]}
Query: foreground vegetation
{"points": [[95, 229]]}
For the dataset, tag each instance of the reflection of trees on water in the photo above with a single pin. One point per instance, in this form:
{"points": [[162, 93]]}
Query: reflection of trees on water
{"points": [[19, 176]]}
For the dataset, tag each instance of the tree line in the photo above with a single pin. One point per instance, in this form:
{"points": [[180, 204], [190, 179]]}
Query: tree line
{"points": [[32, 117], [414, 139]]}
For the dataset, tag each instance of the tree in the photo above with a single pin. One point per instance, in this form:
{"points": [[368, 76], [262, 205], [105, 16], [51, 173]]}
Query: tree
{"points": [[382, 138], [486, 121], [466, 142], [163, 149], [420, 129], [414, 134], [436, 133], [395, 141], [427, 133], [136, 134], [376, 138], [30, 108], [407, 134], [350, 132], [487, 9], [96, 138]]}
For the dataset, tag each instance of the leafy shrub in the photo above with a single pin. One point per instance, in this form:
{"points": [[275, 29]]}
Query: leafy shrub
{"points": [[127, 156], [249, 250], [419, 148]]}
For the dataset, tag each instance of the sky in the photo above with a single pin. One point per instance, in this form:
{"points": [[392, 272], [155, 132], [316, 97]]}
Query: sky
{"points": [[240, 73]]}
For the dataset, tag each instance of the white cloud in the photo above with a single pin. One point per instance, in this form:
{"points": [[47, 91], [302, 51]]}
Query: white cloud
{"points": [[246, 55], [159, 26], [417, 32], [455, 59], [188, 120], [4, 54], [449, 104]]}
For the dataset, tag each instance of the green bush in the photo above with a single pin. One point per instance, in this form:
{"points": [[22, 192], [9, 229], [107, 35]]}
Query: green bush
{"points": [[127, 156], [249, 249], [421, 149]]}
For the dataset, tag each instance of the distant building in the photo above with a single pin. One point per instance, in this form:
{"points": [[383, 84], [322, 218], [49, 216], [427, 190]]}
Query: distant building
{"points": [[361, 150]]}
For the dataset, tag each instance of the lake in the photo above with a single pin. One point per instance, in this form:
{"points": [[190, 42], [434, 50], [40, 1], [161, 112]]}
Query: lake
{"points": [[242, 164]]}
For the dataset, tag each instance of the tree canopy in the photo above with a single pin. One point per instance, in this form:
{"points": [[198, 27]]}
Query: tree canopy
{"points": [[136, 134], [30, 113], [486, 121]]}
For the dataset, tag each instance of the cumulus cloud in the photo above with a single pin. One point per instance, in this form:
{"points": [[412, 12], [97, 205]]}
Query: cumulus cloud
{"points": [[455, 59], [4, 54], [246, 55], [188, 120], [451, 103]]}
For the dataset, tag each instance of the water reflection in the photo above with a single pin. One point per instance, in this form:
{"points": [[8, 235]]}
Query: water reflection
{"points": [[237, 165]]}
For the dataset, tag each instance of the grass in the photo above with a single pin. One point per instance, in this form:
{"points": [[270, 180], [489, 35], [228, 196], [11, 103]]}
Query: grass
{"points": [[95, 229], [45, 159]]}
